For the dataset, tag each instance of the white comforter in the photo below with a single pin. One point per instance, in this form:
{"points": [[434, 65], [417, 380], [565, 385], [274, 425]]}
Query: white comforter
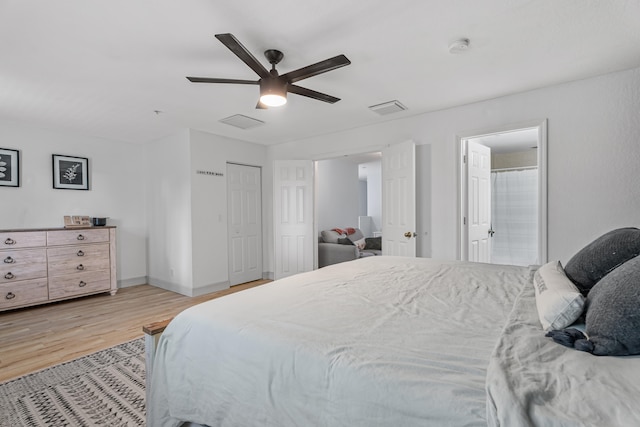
{"points": [[381, 341], [532, 381]]}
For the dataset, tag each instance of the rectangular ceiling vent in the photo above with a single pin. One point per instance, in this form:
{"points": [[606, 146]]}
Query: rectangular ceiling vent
{"points": [[242, 122], [388, 108]]}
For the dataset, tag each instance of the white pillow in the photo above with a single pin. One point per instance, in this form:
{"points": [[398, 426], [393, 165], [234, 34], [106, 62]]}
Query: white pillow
{"points": [[558, 300], [357, 238]]}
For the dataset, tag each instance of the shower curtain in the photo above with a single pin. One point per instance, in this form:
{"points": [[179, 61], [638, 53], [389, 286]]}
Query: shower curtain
{"points": [[514, 216]]}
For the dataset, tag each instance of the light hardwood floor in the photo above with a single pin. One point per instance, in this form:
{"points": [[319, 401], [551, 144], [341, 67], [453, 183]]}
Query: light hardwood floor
{"points": [[35, 338]]}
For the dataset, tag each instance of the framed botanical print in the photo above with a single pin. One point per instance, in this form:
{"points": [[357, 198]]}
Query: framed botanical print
{"points": [[70, 173], [9, 168]]}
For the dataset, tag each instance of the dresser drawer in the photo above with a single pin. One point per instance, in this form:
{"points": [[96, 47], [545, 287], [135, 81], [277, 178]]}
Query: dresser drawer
{"points": [[78, 259], [78, 284], [23, 293], [22, 239], [23, 264], [75, 237]]}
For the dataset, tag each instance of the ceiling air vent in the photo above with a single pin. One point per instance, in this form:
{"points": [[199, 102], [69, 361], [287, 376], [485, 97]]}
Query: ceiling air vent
{"points": [[388, 108], [242, 122]]}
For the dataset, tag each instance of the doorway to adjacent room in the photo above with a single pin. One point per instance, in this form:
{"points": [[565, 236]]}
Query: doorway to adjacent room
{"points": [[503, 195]]}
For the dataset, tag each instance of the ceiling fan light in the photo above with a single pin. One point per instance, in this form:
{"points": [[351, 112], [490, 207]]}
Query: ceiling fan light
{"points": [[273, 92], [273, 100]]}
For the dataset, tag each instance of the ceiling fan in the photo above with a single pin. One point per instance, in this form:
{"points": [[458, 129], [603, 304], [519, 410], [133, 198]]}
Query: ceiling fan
{"points": [[274, 87]]}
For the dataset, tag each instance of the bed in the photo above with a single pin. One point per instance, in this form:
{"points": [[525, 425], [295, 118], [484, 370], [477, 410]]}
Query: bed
{"points": [[383, 341]]}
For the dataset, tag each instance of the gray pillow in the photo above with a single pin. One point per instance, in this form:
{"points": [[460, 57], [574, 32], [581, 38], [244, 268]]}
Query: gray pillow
{"points": [[601, 256], [612, 315], [373, 243]]}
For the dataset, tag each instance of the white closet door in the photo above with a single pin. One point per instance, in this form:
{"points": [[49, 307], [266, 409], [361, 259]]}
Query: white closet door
{"points": [[245, 223]]}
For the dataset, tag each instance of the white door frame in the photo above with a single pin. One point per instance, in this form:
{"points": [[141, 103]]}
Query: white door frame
{"points": [[329, 156], [541, 126]]}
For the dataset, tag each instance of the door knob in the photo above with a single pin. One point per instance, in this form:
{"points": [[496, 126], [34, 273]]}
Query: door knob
{"points": [[410, 234]]}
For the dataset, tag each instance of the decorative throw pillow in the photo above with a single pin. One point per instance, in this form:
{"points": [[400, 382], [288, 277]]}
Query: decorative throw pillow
{"points": [[558, 300], [373, 243], [345, 241], [602, 256], [612, 315], [357, 238], [330, 236]]}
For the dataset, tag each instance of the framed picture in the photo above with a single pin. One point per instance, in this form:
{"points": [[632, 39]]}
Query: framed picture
{"points": [[9, 168], [70, 173]]}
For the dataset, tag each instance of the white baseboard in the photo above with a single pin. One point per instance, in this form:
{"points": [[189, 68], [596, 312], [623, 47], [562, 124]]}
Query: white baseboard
{"points": [[183, 290], [134, 281], [187, 291], [210, 288]]}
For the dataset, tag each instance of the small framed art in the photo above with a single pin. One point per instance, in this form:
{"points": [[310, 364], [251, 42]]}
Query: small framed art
{"points": [[70, 173], [9, 168]]}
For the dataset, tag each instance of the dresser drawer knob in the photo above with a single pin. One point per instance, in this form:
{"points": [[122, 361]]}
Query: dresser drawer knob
{"points": [[80, 253], [9, 260], [82, 284], [9, 275], [10, 295], [9, 241], [80, 237], [80, 267]]}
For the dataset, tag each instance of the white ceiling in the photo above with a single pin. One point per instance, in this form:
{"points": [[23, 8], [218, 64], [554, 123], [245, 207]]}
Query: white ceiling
{"points": [[102, 67], [509, 142]]}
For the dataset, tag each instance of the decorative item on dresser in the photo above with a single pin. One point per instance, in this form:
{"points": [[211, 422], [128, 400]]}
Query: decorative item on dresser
{"points": [[53, 264]]}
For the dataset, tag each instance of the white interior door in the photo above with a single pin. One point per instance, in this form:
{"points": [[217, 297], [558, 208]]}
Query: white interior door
{"points": [[399, 200], [244, 208], [293, 217], [478, 202]]}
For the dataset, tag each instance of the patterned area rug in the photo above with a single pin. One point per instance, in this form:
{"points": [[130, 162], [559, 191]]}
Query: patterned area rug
{"points": [[102, 389]]}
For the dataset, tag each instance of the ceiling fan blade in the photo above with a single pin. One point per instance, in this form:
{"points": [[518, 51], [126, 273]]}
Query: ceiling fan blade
{"points": [[317, 68], [312, 94], [214, 80], [241, 52]]}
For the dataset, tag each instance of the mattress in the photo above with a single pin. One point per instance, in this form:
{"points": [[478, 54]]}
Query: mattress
{"points": [[379, 341]]}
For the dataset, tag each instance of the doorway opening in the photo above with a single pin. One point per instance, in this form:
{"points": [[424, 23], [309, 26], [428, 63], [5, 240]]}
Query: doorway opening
{"points": [[349, 193], [502, 195]]}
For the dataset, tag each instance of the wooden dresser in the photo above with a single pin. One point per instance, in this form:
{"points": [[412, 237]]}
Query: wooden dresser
{"points": [[44, 265]]}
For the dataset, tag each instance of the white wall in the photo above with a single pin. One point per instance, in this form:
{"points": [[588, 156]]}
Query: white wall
{"points": [[362, 197], [519, 159], [116, 179], [209, 205], [169, 225], [187, 221], [374, 194], [423, 200], [337, 198], [593, 156]]}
